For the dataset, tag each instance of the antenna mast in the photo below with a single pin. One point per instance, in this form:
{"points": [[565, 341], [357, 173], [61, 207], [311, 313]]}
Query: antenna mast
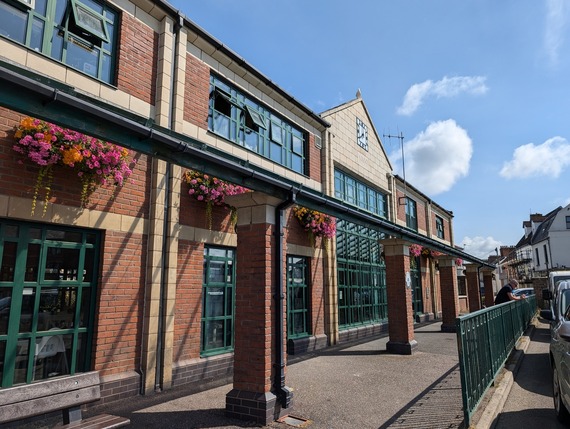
{"points": [[400, 137]]}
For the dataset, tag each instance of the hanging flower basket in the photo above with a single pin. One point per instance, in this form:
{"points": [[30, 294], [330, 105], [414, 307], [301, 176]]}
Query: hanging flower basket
{"points": [[94, 161], [415, 250], [212, 191], [316, 224]]}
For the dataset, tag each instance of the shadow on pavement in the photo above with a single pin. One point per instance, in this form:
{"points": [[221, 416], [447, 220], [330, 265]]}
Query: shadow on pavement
{"points": [[521, 419], [439, 402]]}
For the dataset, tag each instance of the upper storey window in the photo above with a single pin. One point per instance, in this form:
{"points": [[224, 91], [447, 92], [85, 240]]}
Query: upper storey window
{"points": [[79, 33], [352, 191], [239, 118], [439, 227]]}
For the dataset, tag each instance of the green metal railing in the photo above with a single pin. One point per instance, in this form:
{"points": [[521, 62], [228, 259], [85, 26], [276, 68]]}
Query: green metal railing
{"points": [[485, 339]]}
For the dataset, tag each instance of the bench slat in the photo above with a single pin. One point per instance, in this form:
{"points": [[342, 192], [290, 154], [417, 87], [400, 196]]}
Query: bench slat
{"points": [[26, 392], [49, 403], [102, 421]]}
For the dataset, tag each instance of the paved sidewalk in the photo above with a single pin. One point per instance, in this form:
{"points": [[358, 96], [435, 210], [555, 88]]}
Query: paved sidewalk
{"points": [[361, 386], [529, 402]]}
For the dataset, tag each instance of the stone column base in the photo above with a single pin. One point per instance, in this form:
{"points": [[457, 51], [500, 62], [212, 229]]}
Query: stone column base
{"points": [[401, 348], [260, 407]]}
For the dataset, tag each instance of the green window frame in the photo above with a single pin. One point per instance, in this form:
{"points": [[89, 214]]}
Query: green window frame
{"points": [[361, 271], [48, 285], [218, 301], [439, 227], [79, 33], [411, 214], [298, 298], [357, 193], [239, 118]]}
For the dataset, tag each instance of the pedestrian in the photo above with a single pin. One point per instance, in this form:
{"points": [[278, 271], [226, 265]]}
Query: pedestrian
{"points": [[506, 293]]}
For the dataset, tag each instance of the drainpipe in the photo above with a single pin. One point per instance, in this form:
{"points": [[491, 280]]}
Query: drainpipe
{"points": [[479, 285], [159, 369], [284, 395]]}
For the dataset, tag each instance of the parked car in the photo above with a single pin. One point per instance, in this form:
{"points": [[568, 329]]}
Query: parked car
{"points": [[527, 291], [559, 316]]}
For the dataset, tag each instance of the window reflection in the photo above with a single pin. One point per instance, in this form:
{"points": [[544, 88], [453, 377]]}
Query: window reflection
{"points": [[62, 264], [5, 302]]}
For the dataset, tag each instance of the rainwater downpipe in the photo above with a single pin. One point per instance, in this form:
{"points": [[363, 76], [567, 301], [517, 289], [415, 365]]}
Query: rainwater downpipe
{"points": [[159, 369], [284, 395]]}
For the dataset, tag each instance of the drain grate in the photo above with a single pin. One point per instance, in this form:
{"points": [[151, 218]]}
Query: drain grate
{"points": [[298, 422]]}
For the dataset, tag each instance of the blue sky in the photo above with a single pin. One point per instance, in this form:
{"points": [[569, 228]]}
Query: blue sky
{"points": [[479, 89]]}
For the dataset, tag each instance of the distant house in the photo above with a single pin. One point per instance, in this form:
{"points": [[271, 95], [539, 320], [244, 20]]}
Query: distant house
{"points": [[551, 241]]}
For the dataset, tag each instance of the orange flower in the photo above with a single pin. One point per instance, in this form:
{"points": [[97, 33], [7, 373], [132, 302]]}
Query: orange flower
{"points": [[71, 156]]}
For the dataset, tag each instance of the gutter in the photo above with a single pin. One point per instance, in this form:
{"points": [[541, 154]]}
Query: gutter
{"points": [[185, 150], [284, 395]]}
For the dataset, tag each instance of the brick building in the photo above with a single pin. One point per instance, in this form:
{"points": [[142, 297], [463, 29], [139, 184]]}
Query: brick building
{"points": [[154, 288]]}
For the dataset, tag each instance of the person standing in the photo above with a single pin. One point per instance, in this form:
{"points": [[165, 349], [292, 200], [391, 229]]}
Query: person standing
{"points": [[506, 293]]}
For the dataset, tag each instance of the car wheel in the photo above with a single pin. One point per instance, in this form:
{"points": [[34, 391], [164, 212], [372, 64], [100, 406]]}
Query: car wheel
{"points": [[561, 410]]}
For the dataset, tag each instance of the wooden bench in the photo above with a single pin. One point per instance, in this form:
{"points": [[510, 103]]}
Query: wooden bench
{"points": [[67, 394]]}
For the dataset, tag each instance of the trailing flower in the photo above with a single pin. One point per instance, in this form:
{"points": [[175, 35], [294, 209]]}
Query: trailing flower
{"points": [[317, 224], [415, 250], [212, 191], [96, 162]]}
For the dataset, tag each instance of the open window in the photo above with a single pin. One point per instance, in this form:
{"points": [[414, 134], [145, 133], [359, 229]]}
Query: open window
{"points": [[88, 24], [253, 119], [28, 4], [222, 102]]}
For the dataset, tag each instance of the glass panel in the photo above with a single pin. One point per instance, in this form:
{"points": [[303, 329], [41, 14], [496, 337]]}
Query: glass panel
{"points": [[297, 145], [22, 355], [13, 22], [85, 311], [81, 354], [8, 262], [37, 34], [2, 358], [221, 124], [61, 264], [251, 141], [297, 163], [40, 8], [33, 263], [5, 302], [214, 302], [70, 236], [57, 308], [213, 334], [217, 272], [26, 315], [229, 330], [82, 56], [50, 359], [219, 252], [275, 152], [276, 133], [57, 46]]}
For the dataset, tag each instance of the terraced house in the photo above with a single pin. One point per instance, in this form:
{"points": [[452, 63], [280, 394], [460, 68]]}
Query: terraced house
{"points": [[154, 200]]}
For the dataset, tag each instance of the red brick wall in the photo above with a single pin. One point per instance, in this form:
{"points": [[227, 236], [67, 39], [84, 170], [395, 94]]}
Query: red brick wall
{"points": [[401, 325], [119, 311], [421, 213], [314, 159], [138, 55], [254, 308], [188, 310], [449, 295], [196, 92]]}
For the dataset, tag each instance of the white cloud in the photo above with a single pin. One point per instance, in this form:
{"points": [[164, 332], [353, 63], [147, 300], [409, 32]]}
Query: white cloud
{"points": [[480, 247], [547, 159], [445, 88], [436, 158], [556, 19]]}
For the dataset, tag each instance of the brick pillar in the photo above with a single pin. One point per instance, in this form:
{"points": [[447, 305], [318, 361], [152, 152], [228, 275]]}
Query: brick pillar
{"points": [[255, 361], [449, 293], [400, 312], [473, 287], [488, 285]]}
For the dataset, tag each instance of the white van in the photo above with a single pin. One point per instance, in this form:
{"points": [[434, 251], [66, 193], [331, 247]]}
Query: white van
{"points": [[557, 276]]}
